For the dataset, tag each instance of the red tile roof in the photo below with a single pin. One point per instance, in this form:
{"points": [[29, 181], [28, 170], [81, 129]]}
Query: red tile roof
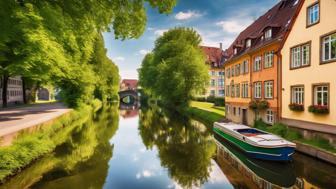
{"points": [[279, 18], [130, 83], [214, 56]]}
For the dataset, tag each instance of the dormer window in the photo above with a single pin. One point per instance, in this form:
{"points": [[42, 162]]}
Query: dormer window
{"points": [[248, 43], [268, 34], [235, 51]]}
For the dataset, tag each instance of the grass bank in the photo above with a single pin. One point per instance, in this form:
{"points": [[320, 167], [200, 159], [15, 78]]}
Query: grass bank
{"points": [[28, 147], [206, 112], [292, 135]]}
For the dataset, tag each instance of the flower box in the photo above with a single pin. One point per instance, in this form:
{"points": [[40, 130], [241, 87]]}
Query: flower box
{"points": [[296, 107], [318, 109], [259, 105]]}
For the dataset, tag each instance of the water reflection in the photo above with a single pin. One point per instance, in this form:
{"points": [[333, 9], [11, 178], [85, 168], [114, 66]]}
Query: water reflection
{"points": [[185, 147], [80, 162]]}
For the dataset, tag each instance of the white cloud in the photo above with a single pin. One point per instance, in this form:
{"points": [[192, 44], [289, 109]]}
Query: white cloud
{"points": [[144, 174], [187, 15], [144, 52], [160, 32], [119, 59], [233, 26]]}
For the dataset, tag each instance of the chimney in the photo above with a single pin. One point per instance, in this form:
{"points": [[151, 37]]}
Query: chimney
{"points": [[221, 46]]}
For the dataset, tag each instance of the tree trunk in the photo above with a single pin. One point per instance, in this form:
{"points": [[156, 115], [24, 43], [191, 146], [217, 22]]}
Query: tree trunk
{"points": [[24, 90], [4, 90]]}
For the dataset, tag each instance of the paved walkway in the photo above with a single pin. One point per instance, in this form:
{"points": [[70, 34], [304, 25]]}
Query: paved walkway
{"points": [[16, 119]]}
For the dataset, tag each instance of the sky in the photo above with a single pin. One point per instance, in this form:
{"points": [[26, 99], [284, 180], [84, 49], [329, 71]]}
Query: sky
{"points": [[217, 21]]}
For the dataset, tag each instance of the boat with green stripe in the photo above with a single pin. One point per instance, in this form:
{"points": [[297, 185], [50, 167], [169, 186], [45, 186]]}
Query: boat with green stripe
{"points": [[256, 143]]}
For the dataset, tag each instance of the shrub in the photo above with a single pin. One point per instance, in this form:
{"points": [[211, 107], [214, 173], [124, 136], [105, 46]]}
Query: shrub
{"points": [[296, 107], [219, 101], [318, 109]]}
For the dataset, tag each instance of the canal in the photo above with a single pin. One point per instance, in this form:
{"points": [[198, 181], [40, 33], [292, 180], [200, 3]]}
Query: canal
{"points": [[153, 148]]}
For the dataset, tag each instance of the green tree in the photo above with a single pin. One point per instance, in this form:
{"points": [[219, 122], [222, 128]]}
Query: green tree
{"points": [[175, 71]]}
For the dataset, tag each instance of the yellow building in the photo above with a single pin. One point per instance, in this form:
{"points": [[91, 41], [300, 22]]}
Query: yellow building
{"points": [[309, 69]]}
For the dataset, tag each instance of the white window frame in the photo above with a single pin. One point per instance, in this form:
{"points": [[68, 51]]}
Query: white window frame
{"points": [[328, 41], [300, 55], [313, 14], [270, 116], [321, 89], [257, 64], [257, 89], [244, 90], [268, 34], [297, 95], [269, 58], [213, 83], [268, 86], [237, 88], [248, 43]]}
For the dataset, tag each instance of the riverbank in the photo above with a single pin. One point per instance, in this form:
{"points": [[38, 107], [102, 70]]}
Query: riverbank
{"points": [[205, 112], [30, 146], [319, 148]]}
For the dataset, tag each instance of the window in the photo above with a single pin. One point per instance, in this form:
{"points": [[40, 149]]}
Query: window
{"points": [[227, 108], [248, 43], [298, 95], [300, 56], [329, 48], [213, 73], [237, 72], [268, 34], [239, 109], [321, 95], [228, 73], [257, 63], [233, 71], [213, 82], [237, 90], [227, 91], [269, 59], [257, 90], [268, 89], [221, 82], [270, 116], [313, 14], [245, 67], [235, 51], [232, 89], [234, 110], [221, 92], [212, 93], [245, 90]]}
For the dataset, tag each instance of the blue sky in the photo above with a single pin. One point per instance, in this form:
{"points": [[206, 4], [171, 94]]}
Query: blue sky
{"points": [[215, 20]]}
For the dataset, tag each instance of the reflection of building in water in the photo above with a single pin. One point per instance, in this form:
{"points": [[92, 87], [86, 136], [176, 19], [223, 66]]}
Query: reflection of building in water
{"points": [[302, 183], [243, 172], [129, 113]]}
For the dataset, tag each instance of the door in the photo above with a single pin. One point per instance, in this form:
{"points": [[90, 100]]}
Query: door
{"points": [[244, 118]]}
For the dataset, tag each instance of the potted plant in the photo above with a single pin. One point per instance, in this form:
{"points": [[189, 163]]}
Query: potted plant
{"points": [[257, 106], [318, 109], [296, 107]]}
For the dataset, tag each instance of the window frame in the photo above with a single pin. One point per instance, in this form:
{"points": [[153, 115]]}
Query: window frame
{"points": [[268, 115], [313, 92], [265, 89], [244, 90], [292, 94], [270, 32], [291, 55], [322, 61], [269, 53], [308, 15], [254, 90], [254, 63]]}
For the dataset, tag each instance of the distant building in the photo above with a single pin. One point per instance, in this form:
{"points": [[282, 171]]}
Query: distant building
{"points": [[43, 94], [215, 59], [128, 84], [14, 90]]}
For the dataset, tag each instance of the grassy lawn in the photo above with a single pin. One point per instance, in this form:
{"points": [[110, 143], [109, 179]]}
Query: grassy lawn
{"points": [[208, 107], [206, 112]]}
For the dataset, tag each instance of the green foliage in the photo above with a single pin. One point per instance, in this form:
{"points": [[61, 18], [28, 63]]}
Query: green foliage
{"points": [[175, 70], [30, 146], [316, 109], [205, 116], [296, 107], [60, 43]]}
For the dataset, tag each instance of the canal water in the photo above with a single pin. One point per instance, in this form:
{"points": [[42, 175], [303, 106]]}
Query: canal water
{"points": [[153, 148]]}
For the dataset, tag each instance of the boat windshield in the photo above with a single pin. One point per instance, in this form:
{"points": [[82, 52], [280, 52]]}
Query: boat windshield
{"points": [[250, 132]]}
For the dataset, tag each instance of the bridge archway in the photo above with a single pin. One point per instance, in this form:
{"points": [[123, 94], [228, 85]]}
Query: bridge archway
{"points": [[129, 97]]}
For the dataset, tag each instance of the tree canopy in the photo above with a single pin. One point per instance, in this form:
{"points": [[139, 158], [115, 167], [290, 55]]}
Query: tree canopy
{"points": [[59, 42], [175, 70]]}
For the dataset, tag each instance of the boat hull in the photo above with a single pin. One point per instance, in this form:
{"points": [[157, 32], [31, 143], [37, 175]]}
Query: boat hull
{"points": [[270, 154]]}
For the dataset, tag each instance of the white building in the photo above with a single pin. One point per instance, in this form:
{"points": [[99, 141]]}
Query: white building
{"points": [[14, 90]]}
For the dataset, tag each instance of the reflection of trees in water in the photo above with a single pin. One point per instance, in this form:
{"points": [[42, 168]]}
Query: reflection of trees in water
{"points": [[81, 161], [183, 147]]}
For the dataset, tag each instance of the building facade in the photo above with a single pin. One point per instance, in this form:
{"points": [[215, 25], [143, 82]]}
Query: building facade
{"points": [[14, 90], [308, 69], [214, 59], [253, 65], [128, 84]]}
